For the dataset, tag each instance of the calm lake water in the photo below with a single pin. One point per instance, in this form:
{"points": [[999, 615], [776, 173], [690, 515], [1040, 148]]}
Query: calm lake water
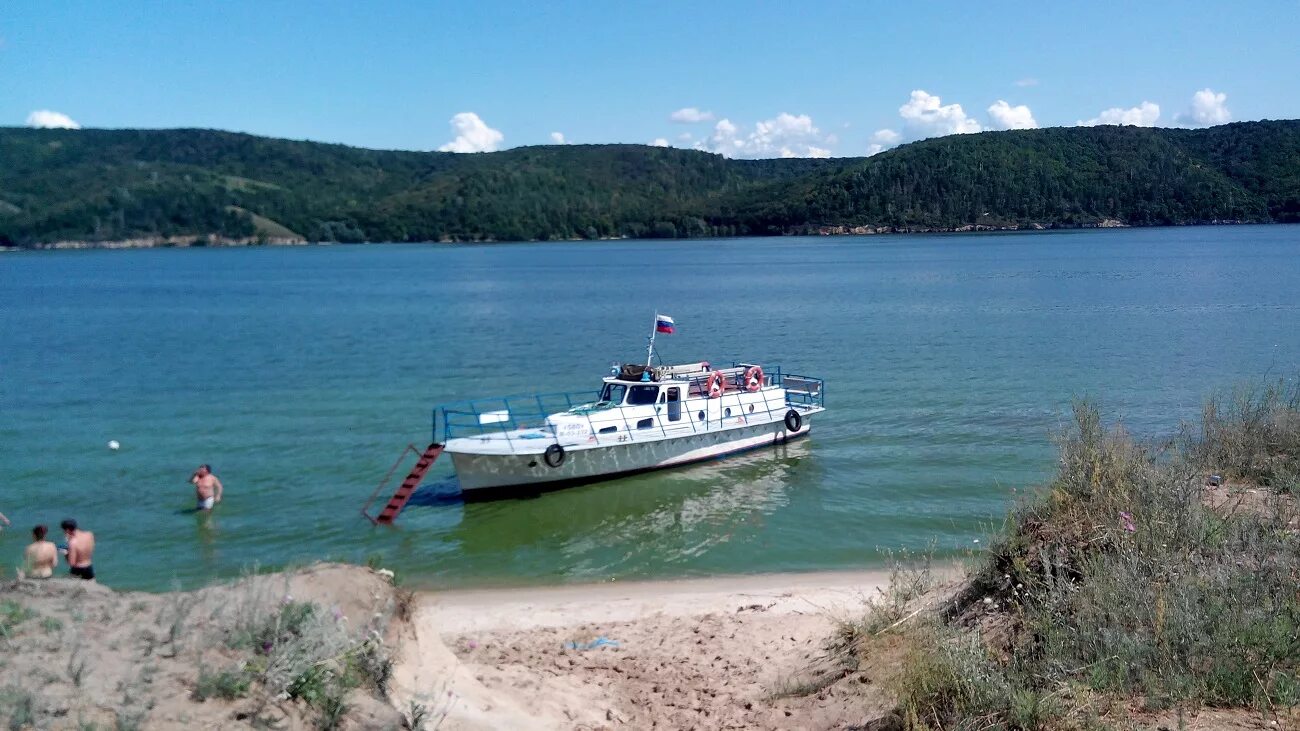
{"points": [[299, 373]]}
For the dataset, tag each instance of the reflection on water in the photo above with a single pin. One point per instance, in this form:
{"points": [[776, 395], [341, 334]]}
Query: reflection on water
{"points": [[206, 530], [443, 490], [684, 513], [623, 525]]}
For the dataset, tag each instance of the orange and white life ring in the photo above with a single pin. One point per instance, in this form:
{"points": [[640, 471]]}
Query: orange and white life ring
{"points": [[716, 384], [754, 378]]}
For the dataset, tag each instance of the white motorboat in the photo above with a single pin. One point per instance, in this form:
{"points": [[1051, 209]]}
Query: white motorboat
{"points": [[642, 418]]}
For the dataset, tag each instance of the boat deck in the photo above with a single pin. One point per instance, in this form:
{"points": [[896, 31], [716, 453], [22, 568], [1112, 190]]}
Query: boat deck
{"points": [[536, 440], [526, 425]]}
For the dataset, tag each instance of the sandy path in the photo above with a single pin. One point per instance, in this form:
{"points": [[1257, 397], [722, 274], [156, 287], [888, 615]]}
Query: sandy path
{"points": [[697, 653], [561, 606]]}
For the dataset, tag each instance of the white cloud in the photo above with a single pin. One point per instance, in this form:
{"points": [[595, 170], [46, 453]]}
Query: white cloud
{"points": [[785, 135], [558, 138], [472, 135], [1208, 108], [659, 142], [882, 140], [887, 137], [724, 129], [724, 139], [46, 119], [924, 116], [1145, 114], [1005, 116], [690, 115], [1029, 81]]}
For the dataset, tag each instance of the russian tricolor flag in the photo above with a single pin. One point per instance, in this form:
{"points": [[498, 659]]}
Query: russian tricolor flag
{"points": [[664, 324]]}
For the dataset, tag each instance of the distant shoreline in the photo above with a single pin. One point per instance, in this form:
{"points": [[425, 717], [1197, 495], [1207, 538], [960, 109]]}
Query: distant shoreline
{"points": [[216, 242], [97, 188]]}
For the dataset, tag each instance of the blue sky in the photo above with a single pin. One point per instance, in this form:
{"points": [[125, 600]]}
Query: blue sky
{"points": [[765, 78]]}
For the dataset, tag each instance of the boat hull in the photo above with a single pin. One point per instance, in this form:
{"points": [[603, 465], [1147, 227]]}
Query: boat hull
{"points": [[484, 476]]}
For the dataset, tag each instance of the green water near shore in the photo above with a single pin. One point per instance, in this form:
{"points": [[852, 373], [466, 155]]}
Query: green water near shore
{"points": [[299, 373]]}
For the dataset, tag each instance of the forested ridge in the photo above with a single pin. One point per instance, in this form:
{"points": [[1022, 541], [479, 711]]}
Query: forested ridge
{"points": [[113, 185]]}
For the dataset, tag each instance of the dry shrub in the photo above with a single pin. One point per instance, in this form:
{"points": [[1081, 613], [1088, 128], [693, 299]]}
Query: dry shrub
{"points": [[1116, 579], [298, 650], [1251, 434], [18, 707]]}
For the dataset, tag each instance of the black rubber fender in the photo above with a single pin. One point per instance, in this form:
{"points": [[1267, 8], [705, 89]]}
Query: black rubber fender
{"points": [[554, 455], [793, 421]]}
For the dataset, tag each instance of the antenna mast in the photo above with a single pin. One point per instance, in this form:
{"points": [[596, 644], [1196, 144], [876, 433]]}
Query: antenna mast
{"points": [[650, 347]]}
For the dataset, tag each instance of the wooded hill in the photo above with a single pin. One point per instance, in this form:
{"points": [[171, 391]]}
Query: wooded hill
{"points": [[106, 185]]}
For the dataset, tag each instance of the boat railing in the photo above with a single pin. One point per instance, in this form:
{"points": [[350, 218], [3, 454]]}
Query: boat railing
{"points": [[804, 390], [519, 417], [482, 417]]}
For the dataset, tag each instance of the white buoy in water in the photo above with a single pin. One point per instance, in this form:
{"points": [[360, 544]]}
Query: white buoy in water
{"points": [[112, 444]]}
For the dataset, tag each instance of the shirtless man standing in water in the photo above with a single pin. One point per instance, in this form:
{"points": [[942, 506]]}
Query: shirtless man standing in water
{"points": [[207, 488], [81, 549]]}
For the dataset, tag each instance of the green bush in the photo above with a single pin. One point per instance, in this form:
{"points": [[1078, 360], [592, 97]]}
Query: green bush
{"points": [[19, 707], [301, 651], [230, 683], [12, 614], [1252, 434], [1117, 579]]}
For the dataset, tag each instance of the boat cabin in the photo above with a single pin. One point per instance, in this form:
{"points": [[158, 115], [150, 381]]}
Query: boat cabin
{"points": [[639, 401]]}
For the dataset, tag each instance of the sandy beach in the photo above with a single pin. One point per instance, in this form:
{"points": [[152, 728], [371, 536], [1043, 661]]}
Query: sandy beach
{"points": [[725, 652], [749, 652]]}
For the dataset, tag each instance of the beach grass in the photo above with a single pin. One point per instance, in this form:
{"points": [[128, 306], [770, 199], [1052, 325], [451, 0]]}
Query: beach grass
{"points": [[1251, 434], [13, 614], [229, 683], [19, 704], [1116, 589], [298, 650]]}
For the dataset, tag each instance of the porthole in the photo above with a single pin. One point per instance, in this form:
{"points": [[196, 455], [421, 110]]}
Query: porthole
{"points": [[751, 408], [727, 413], [646, 423], [609, 430], [700, 416]]}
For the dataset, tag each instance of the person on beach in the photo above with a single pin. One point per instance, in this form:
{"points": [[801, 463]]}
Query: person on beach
{"points": [[41, 555], [80, 550], [207, 488]]}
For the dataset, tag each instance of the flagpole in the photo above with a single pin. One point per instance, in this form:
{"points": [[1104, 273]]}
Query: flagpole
{"points": [[650, 349]]}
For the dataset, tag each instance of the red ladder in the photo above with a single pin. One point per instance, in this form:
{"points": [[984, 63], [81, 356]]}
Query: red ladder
{"points": [[407, 488]]}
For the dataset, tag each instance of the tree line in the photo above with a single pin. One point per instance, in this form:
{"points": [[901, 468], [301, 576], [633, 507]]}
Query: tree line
{"points": [[102, 185]]}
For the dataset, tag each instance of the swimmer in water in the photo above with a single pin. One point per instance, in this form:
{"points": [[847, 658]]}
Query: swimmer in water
{"points": [[207, 488]]}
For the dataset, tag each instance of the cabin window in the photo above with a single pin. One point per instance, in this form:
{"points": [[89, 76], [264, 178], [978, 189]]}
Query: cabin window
{"points": [[613, 393], [609, 430], [700, 416], [642, 395], [727, 412], [646, 423], [751, 408]]}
